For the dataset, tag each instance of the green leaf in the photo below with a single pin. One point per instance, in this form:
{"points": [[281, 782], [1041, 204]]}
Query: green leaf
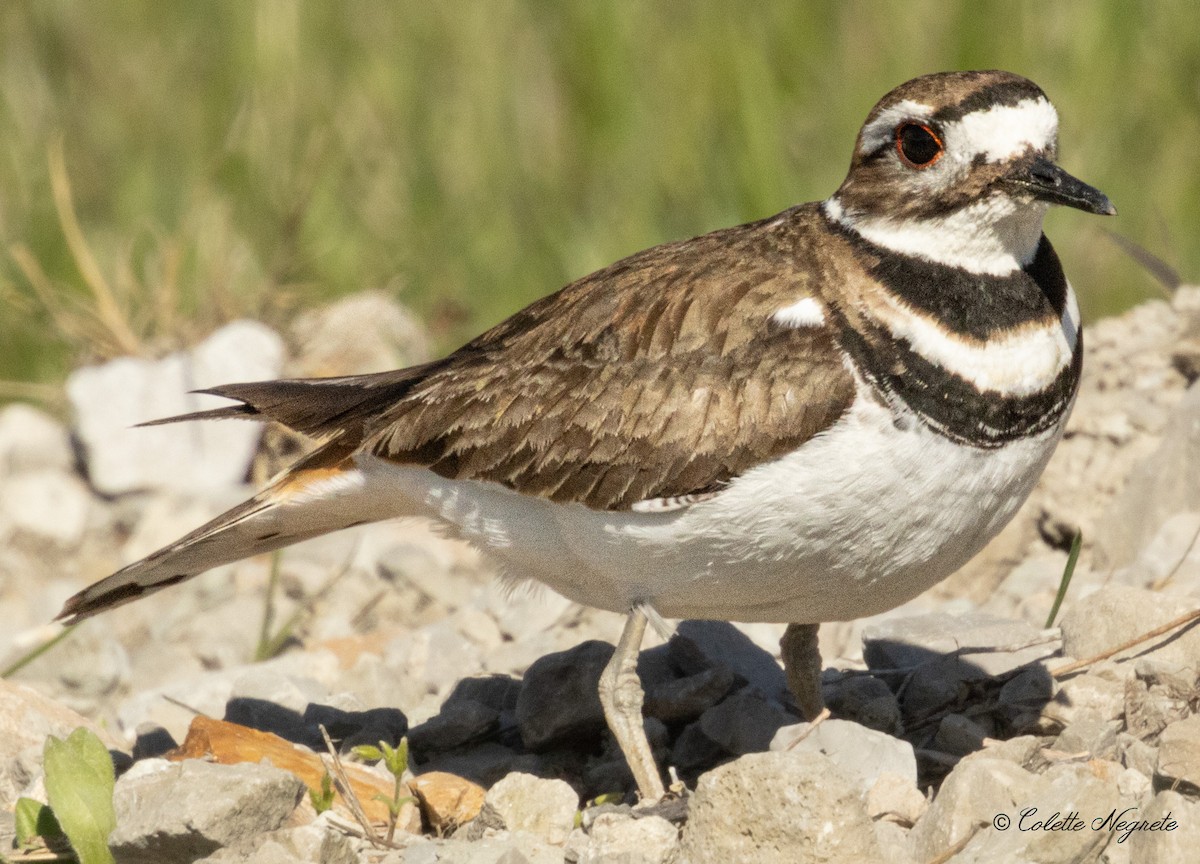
{"points": [[79, 784], [33, 820], [389, 802], [394, 804], [367, 753], [397, 760], [1065, 581], [322, 800]]}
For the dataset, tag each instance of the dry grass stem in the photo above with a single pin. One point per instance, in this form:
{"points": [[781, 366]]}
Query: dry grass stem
{"points": [[108, 311], [1173, 624], [348, 793]]}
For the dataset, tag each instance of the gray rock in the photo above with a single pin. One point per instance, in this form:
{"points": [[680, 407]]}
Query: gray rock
{"points": [[460, 722], [1091, 735], [744, 722], [1165, 483], [265, 684], [26, 719], [719, 643], [1165, 832], [47, 505], [1179, 753], [418, 851], [528, 610], [590, 814], [544, 808], [778, 807], [893, 842], [616, 838], [356, 335], [309, 844], [1024, 751], [430, 572], [1115, 614], [861, 754], [1159, 670], [515, 847], [693, 751], [682, 699], [990, 646], [656, 669], [959, 735], [982, 790], [497, 691], [181, 811], [1028, 591], [895, 798], [86, 670], [207, 693], [1092, 695], [1023, 696], [108, 400], [975, 791], [1136, 754], [1091, 789], [152, 741], [485, 763], [863, 699], [559, 701], [428, 661], [1170, 560], [31, 440], [8, 830], [944, 651], [1149, 709], [353, 725], [1134, 786]]}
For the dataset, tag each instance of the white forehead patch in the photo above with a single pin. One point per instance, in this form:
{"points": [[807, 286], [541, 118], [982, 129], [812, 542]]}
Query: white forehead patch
{"points": [[805, 312], [882, 130], [1004, 131]]}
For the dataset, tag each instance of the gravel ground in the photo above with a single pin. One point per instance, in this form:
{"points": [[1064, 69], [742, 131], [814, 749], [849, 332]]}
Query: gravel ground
{"points": [[957, 730]]}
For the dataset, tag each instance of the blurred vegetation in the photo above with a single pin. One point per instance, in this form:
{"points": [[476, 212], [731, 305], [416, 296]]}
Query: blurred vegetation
{"points": [[169, 165]]}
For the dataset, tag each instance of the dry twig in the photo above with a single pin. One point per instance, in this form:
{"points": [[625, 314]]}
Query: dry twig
{"points": [[1173, 624]]}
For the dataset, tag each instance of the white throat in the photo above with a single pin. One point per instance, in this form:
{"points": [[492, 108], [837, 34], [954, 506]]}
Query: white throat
{"points": [[996, 235]]}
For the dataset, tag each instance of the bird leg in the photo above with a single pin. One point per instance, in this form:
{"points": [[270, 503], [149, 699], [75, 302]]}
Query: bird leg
{"points": [[802, 665], [621, 697]]}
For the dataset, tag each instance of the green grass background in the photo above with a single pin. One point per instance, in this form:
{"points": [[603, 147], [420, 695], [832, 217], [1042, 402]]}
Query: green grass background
{"points": [[257, 156]]}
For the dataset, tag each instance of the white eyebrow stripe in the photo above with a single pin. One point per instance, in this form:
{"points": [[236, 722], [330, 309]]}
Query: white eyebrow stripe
{"points": [[1004, 131], [805, 312], [882, 129]]}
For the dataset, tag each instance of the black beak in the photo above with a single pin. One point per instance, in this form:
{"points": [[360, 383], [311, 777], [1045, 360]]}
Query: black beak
{"points": [[1047, 182]]}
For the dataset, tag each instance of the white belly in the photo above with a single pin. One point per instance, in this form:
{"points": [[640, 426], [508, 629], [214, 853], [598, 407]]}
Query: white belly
{"points": [[857, 521]]}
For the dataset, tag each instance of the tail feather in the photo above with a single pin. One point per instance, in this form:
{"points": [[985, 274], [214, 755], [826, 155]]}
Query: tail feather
{"points": [[229, 412], [324, 493], [318, 407], [235, 534]]}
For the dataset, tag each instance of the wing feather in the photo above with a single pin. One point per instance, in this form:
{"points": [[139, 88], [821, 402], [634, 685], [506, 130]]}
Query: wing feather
{"points": [[661, 377]]}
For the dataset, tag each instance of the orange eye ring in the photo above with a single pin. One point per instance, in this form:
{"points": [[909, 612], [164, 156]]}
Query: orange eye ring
{"points": [[917, 145]]}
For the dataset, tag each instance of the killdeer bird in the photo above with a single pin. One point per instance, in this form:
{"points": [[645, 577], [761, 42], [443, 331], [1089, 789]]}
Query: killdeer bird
{"points": [[812, 417]]}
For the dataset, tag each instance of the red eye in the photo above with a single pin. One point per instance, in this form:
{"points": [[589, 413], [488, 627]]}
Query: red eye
{"points": [[918, 145]]}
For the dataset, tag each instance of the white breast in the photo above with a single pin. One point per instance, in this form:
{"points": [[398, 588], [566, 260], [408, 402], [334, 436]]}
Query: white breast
{"points": [[856, 521]]}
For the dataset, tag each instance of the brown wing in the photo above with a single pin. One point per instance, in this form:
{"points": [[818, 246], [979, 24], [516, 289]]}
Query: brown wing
{"points": [[660, 376]]}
